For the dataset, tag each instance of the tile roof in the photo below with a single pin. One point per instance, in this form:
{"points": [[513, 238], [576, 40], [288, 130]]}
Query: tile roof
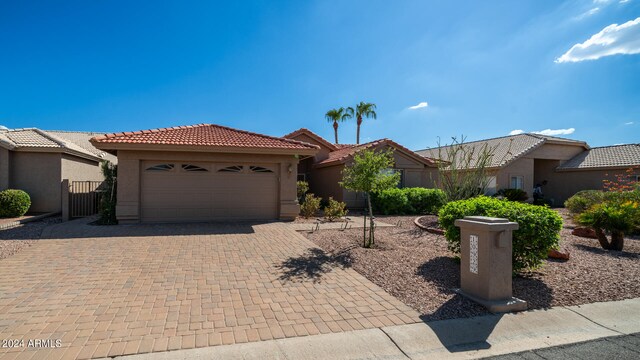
{"points": [[312, 135], [202, 135], [81, 138], [347, 151], [606, 156], [505, 149], [68, 142]]}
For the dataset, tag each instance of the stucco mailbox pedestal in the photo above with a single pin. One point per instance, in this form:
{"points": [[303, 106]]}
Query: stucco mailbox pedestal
{"points": [[485, 262]]}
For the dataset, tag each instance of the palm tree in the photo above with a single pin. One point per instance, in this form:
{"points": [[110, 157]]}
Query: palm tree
{"points": [[335, 116], [367, 110]]}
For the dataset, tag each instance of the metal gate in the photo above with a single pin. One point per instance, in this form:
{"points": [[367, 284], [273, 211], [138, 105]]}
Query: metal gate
{"points": [[84, 198]]}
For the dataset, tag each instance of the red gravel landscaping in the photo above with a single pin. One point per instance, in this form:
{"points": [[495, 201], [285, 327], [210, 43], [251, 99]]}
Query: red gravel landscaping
{"points": [[416, 267]]}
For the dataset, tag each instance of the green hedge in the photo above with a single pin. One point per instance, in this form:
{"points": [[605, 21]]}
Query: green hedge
{"points": [[14, 203], [538, 233], [408, 201]]}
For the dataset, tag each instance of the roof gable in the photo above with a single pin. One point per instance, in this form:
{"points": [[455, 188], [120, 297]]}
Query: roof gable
{"points": [[347, 152], [318, 139], [201, 135]]}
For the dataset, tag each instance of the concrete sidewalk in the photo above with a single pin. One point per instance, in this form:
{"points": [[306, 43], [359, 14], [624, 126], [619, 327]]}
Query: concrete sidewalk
{"points": [[451, 339]]}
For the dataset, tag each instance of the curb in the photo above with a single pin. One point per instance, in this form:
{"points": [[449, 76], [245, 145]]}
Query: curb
{"points": [[17, 223]]}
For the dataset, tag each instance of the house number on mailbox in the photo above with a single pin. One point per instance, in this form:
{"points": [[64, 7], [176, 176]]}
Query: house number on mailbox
{"points": [[473, 254]]}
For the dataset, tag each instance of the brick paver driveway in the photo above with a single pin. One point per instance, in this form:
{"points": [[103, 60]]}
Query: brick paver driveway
{"points": [[106, 291]]}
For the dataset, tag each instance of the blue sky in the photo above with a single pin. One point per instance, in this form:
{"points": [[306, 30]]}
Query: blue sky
{"points": [[483, 68]]}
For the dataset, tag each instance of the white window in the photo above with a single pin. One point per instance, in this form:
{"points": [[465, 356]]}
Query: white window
{"points": [[302, 177], [517, 182]]}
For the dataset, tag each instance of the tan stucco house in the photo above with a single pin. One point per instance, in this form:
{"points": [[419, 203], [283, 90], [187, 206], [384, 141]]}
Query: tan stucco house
{"points": [[568, 166], [323, 171], [37, 161], [204, 172]]}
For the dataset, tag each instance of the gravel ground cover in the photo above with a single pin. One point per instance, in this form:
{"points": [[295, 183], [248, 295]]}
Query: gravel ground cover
{"points": [[15, 239], [416, 267]]}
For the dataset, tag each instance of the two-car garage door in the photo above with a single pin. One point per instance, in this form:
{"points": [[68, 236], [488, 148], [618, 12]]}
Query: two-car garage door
{"points": [[174, 191]]}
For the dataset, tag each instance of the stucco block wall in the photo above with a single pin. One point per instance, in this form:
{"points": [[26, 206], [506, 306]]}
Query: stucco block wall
{"points": [[39, 174], [79, 169], [325, 182], [129, 191], [4, 169]]}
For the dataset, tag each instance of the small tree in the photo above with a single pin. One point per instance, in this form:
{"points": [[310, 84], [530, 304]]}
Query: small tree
{"points": [[462, 169], [370, 172], [615, 216], [108, 200]]}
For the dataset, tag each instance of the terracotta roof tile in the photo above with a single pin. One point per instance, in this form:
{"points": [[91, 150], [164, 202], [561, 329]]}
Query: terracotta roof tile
{"points": [[202, 135], [347, 151], [313, 135]]}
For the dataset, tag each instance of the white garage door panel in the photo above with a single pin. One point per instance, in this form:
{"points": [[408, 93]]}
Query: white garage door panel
{"points": [[177, 195]]}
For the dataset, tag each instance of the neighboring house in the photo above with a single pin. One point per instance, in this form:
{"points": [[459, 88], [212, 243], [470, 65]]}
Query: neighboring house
{"points": [[323, 171], [37, 161], [524, 160], [204, 172]]}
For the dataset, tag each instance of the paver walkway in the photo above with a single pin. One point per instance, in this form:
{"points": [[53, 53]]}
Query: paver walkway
{"points": [[108, 291]]}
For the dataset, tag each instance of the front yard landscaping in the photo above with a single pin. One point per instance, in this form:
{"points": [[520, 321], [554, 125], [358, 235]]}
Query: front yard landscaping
{"points": [[18, 238], [415, 266]]}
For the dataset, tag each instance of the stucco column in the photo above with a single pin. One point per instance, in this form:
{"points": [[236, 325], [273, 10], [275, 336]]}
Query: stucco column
{"points": [[128, 204], [486, 262], [4, 169], [289, 207]]}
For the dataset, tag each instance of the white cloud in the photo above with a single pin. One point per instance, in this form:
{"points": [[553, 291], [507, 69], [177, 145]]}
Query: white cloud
{"points": [[629, 123], [612, 40], [423, 104], [516, 132], [623, 1], [2, 127], [555, 132]]}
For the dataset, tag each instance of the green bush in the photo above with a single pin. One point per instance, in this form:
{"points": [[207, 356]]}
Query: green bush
{"points": [[583, 200], [425, 201], [409, 201], [310, 205], [391, 202], [586, 199], [335, 209], [513, 194], [538, 233], [302, 188], [14, 203]]}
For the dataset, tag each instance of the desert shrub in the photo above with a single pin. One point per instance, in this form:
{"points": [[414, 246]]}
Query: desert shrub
{"points": [[425, 201], [335, 209], [310, 205], [539, 229], [391, 202], [513, 194], [14, 203], [302, 188], [583, 200], [418, 201]]}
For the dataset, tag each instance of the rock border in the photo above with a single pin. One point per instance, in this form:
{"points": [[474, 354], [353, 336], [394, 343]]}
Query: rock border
{"points": [[429, 229]]}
